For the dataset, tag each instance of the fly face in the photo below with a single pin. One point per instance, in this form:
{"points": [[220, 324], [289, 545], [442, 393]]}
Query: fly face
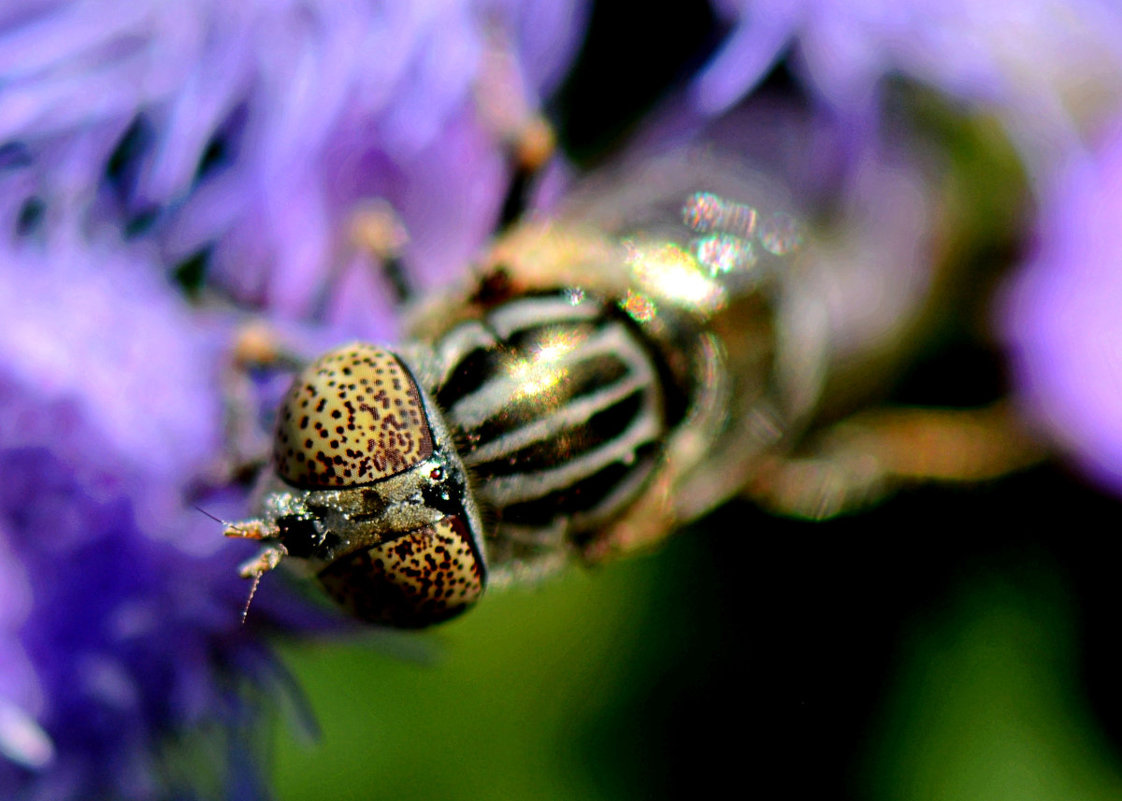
{"points": [[367, 487]]}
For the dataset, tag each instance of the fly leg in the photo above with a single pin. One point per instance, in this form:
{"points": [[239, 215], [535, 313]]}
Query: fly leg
{"points": [[506, 106], [256, 353], [862, 459]]}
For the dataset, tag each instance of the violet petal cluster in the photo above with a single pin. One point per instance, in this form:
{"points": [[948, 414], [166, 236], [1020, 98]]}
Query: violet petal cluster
{"points": [[1062, 315], [250, 133], [1051, 73], [1051, 70], [120, 602]]}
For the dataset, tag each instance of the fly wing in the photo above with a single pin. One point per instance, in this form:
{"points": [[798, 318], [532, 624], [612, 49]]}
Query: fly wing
{"points": [[646, 192], [768, 335]]}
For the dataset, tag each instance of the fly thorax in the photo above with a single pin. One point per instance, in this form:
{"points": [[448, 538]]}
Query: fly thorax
{"points": [[558, 412]]}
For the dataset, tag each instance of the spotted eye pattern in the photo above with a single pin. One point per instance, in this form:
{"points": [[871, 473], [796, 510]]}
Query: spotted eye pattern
{"points": [[352, 417], [424, 577]]}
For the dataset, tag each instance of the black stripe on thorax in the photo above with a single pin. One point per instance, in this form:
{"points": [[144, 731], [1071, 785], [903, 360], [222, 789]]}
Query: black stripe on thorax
{"points": [[581, 499], [557, 408]]}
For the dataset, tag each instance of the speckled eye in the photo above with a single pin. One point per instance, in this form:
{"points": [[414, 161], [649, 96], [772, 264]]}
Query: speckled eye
{"points": [[351, 417], [424, 577]]}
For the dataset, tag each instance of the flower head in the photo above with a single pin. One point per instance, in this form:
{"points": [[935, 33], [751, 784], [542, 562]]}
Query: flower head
{"points": [[1051, 70], [1062, 318], [146, 148], [120, 605], [249, 133]]}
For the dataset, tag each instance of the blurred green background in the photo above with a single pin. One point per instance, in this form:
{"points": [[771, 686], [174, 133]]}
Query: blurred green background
{"points": [[527, 699], [952, 644]]}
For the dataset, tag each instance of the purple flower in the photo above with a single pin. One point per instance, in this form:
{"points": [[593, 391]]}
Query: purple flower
{"points": [[133, 137], [120, 605], [1062, 316], [253, 130], [1050, 69], [1051, 73]]}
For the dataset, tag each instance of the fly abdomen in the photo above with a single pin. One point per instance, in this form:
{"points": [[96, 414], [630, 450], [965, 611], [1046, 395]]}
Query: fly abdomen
{"points": [[558, 411]]}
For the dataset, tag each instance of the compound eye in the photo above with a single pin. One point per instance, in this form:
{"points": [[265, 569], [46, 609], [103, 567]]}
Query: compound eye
{"points": [[425, 577], [351, 417]]}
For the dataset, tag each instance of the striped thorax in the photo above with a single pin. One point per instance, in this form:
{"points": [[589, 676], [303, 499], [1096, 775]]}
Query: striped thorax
{"points": [[559, 414]]}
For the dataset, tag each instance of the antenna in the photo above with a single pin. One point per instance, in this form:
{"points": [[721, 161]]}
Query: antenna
{"points": [[268, 558], [249, 600], [208, 514]]}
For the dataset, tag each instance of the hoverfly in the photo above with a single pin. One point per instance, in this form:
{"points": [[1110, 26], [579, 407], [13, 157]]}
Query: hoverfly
{"points": [[599, 380]]}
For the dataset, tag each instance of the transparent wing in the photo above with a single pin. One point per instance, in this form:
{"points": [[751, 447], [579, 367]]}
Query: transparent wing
{"points": [[847, 306], [766, 338]]}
